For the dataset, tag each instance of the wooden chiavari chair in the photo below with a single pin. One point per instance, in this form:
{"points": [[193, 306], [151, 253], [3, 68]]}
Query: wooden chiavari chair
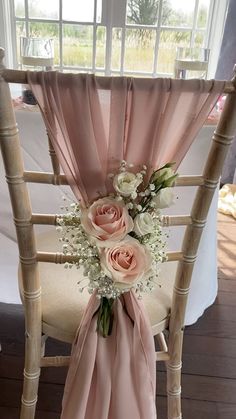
{"points": [[58, 314]]}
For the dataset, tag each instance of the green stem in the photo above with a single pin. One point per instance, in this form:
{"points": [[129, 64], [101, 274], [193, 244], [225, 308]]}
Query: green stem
{"points": [[149, 198], [105, 317]]}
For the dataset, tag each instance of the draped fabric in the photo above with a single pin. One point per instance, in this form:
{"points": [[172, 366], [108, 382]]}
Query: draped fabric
{"points": [[112, 378], [94, 123]]}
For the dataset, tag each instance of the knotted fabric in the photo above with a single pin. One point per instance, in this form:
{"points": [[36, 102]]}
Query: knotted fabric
{"points": [[94, 123]]}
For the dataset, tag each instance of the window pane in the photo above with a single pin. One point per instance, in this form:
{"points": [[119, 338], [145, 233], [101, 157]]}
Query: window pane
{"points": [[202, 15], [19, 8], [77, 45], [101, 47], [116, 48], [78, 10], [99, 11], [139, 49], [178, 13], [169, 41], [44, 9], [46, 30], [20, 31], [142, 12], [199, 39]]}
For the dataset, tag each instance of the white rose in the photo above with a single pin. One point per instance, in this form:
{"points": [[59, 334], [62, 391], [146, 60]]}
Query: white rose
{"points": [[143, 224], [165, 198], [126, 183]]}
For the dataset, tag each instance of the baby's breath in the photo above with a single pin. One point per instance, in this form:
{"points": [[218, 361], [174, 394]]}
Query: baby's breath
{"points": [[82, 250]]}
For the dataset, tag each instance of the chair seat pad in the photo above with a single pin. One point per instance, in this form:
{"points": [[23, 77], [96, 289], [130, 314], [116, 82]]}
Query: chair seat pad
{"points": [[63, 303]]}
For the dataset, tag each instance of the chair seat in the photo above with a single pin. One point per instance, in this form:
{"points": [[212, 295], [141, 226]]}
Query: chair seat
{"points": [[63, 304]]}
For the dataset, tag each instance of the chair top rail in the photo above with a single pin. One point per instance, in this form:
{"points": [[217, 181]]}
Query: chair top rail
{"points": [[20, 76], [54, 179], [60, 258], [166, 220]]}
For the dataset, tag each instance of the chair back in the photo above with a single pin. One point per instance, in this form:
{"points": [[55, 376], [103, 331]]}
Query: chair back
{"points": [[18, 179]]}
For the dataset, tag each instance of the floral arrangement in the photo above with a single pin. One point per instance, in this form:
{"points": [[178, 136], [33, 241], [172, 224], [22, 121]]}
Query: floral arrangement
{"points": [[118, 239]]}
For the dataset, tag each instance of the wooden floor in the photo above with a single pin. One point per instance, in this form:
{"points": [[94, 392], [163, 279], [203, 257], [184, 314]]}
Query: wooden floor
{"points": [[209, 360]]}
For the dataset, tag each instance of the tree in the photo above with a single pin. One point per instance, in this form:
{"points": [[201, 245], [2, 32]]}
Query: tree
{"points": [[144, 12]]}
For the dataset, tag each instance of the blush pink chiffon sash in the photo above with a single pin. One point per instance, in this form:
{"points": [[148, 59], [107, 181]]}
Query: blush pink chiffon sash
{"points": [[94, 123], [113, 377]]}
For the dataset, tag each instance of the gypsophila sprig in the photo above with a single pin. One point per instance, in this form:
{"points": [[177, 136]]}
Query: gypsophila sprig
{"points": [[118, 240]]}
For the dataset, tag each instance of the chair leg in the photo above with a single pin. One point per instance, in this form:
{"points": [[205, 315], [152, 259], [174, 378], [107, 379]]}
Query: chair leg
{"points": [[29, 396], [174, 391], [174, 366], [31, 380], [34, 345]]}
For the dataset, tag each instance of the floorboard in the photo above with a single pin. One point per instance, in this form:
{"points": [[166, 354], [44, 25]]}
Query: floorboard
{"points": [[213, 328], [199, 387], [13, 413], [226, 298], [208, 365]]}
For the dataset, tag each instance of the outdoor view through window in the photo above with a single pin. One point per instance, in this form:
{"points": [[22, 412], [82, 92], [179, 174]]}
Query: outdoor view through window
{"points": [[115, 36]]}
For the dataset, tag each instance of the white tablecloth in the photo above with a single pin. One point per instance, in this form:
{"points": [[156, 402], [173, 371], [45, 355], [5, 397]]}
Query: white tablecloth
{"points": [[48, 199]]}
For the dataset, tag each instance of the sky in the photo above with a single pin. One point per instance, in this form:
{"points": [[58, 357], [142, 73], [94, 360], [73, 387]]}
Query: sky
{"points": [[84, 8], [187, 5]]}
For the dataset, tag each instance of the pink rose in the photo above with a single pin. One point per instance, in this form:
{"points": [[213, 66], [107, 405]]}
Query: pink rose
{"points": [[107, 221], [126, 263]]}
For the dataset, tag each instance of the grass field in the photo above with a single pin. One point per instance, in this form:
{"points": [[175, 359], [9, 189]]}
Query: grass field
{"points": [[139, 47]]}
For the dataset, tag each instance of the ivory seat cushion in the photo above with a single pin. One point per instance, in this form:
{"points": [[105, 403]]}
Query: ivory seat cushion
{"points": [[63, 304]]}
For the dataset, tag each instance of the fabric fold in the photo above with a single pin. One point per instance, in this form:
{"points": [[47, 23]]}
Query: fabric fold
{"points": [[113, 377]]}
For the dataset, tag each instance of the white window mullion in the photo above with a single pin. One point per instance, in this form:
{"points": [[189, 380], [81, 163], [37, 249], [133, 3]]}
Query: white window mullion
{"points": [[94, 36], [155, 58], [216, 28], [70, 22], [26, 18], [8, 32], [60, 29], [109, 19], [108, 51], [142, 73], [179, 29], [122, 52], [193, 32], [209, 23], [157, 42], [115, 12], [135, 26]]}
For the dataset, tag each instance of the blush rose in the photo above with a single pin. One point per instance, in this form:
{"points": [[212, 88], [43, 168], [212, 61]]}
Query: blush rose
{"points": [[106, 221], [126, 262]]}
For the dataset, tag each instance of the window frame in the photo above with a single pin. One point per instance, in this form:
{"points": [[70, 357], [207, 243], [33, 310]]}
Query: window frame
{"points": [[113, 16]]}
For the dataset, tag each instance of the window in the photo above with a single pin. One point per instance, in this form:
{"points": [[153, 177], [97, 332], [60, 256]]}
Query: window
{"points": [[137, 37]]}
